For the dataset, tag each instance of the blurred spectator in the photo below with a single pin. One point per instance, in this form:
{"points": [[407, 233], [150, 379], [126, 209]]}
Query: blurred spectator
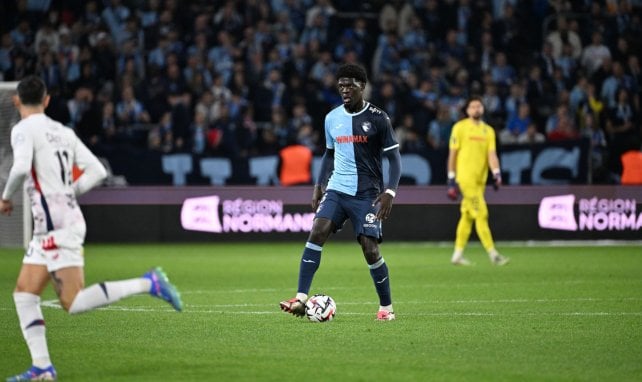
{"points": [[7, 49], [440, 128], [594, 54], [515, 97], [503, 74], [49, 71], [295, 164], [109, 127], [517, 125], [546, 61], [129, 110], [22, 34], [531, 136], [591, 129], [567, 63], [396, 16], [48, 35], [560, 126], [307, 136], [79, 105], [621, 129], [632, 165], [616, 81], [411, 140], [198, 130], [564, 35]]}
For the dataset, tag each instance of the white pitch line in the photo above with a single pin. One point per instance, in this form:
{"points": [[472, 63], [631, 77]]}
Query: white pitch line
{"points": [[216, 309], [397, 286]]}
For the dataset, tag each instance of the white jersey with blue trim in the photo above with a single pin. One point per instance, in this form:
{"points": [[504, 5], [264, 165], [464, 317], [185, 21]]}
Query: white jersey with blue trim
{"points": [[358, 140], [44, 153]]}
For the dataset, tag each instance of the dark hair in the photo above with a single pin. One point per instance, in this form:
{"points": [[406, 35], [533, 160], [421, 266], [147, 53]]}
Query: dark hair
{"points": [[471, 99], [464, 109], [352, 71], [31, 90]]}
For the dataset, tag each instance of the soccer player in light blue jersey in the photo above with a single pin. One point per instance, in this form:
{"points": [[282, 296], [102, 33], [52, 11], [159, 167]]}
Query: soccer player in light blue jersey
{"points": [[350, 186]]}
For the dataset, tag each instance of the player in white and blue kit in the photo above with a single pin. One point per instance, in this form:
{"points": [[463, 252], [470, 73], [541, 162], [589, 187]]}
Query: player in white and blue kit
{"points": [[44, 153], [350, 186]]}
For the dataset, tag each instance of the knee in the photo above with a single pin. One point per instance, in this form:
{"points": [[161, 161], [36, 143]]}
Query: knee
{"points": [[318, 235], [372, 257], [67, 300], [371, 252], [66, 303]]}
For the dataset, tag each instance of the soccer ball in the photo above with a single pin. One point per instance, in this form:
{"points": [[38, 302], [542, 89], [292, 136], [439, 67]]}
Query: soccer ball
{"points": [[320, 308]]}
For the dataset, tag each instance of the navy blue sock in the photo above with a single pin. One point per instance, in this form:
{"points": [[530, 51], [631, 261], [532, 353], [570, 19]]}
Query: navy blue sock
{"points": [[379, 273], [309, 265]]}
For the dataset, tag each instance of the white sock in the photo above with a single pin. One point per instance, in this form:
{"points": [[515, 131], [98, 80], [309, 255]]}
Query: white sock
{"points": [[458, 254], [32, 324], [108, 292], [387, 308], [302, 296], [493, 253]]}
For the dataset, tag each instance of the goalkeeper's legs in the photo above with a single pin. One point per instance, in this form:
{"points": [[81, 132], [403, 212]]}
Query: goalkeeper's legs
{"points": [[485, 236], [464, 227]]}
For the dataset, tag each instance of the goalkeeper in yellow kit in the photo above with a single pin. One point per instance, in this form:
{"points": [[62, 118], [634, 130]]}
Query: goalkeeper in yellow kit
{"points": [[471, 152]]}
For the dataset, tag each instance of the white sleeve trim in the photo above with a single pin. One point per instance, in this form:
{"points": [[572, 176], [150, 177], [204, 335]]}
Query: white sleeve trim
{"points": [[391, 147]]}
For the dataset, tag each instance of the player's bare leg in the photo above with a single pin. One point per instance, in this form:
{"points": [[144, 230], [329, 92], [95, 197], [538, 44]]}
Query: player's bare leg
{"points": [[32, 280], [69, 283]]}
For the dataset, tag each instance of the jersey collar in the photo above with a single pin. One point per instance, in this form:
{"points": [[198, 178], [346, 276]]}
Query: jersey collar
{"points": [[365, 107]]}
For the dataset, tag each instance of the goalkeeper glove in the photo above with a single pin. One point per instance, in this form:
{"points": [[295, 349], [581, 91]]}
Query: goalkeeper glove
{"points": [[453, 189], [497, 179]]}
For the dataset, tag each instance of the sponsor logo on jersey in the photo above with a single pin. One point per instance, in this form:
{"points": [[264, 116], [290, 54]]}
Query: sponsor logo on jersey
{"points": [[374, 110], [352, 139]]}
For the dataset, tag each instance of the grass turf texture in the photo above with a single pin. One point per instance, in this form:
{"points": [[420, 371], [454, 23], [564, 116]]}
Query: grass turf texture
{"points": [[552, 314]]}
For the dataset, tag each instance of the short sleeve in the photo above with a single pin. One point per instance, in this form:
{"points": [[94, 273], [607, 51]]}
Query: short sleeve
{"points": [[455, 139], [328, 138]]}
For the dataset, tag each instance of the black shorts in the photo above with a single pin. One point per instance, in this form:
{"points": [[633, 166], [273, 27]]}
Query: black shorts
{"points": [[339, 207]]}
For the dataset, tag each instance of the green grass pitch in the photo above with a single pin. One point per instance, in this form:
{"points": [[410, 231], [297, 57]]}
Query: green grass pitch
{"points": [[571, 313]]}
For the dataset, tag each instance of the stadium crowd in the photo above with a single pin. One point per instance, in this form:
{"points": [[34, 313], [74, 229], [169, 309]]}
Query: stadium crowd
{"points": [[244, 78]]}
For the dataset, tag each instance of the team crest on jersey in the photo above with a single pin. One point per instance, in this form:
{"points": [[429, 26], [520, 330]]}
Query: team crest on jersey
{"points": [[366, 126]]}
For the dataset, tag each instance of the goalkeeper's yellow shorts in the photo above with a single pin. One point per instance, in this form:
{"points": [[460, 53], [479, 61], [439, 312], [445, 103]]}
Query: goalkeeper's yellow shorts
{"points": [[473, 203]]}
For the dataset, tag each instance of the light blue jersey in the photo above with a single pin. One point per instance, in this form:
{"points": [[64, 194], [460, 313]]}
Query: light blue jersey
{"points": [[358, 141]]}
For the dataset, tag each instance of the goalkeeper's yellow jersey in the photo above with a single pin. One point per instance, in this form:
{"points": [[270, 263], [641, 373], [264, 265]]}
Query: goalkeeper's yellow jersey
{"points": [[473, 142]]}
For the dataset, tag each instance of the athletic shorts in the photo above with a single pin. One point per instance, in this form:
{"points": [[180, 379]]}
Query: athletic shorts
{"points": [[67, 252], [340, 207], [473, 202]]}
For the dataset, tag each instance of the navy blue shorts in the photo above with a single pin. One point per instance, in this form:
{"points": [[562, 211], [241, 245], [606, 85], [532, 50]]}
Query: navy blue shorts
{"points": [[340, 207]]}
